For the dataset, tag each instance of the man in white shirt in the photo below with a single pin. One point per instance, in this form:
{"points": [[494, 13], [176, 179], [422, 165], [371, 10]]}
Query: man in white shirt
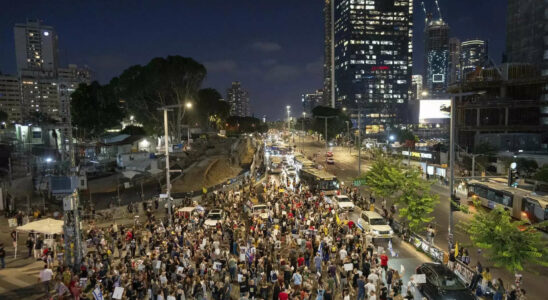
{"points": [[373, 278], [370, 287], [46, 275], [342, 254]]}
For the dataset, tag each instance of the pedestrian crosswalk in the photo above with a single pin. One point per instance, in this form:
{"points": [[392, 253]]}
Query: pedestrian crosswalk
{"points": [[21, 283]]}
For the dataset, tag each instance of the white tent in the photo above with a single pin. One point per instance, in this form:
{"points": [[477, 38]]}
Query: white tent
{"points": [[48, 227], [44, 226]]}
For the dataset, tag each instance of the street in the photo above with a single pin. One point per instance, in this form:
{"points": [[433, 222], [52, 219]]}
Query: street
{"points": [[346, 169]]}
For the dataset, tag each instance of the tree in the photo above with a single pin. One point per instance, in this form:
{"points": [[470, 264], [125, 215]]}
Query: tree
{"points": [[94, 108], [238, 125], [416, 201], [211, 110], [336, 122], [406, 136], [134, 130], [174, 80], [385, 176], [508, 244], [542, 174]]}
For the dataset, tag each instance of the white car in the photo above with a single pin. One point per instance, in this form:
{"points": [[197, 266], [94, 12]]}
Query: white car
{"points": [[290, 171], [260, 210], [374, 223], [214, 217], [342, 202]]}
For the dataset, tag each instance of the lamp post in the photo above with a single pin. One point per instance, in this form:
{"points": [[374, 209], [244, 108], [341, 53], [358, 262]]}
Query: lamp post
{"points": [[166, 146], [302, 136], [452, 194], [187, 105], [348, 133], [288, 119]]}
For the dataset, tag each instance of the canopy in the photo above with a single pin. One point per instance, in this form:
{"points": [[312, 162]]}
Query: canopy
{"points": [[44, 226]]}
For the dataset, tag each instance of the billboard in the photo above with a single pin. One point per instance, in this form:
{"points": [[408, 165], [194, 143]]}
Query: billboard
{"points": [[434, 111]]}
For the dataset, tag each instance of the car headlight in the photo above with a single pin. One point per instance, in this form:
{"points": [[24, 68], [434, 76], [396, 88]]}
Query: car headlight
{"points": [[375, 232], [391, 231]]}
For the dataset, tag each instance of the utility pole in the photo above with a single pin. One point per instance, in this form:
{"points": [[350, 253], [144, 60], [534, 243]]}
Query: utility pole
{"points": [[348, 133], [452, 134], [169, 200], [359, 142], [71, 229], [303, 134]]}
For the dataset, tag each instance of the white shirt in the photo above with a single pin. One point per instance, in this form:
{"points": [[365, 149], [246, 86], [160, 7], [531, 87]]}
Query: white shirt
{"points": [[373, 277], [342, 254], [370, 287], [46, 275]]}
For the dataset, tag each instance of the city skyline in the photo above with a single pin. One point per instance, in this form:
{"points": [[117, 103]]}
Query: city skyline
{"points": [[264, 58]]}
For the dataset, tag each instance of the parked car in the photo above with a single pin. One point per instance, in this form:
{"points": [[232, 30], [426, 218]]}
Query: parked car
{"points": [[342, 202], [442, 283], [214, 217], [260, 210], [374, 223]]}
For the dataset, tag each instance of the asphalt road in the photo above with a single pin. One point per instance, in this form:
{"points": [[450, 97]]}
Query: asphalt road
{"points": [[346, 169]]}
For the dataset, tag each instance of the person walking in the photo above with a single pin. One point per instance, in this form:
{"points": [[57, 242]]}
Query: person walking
{"points": [[46, 274], [2, 256]]}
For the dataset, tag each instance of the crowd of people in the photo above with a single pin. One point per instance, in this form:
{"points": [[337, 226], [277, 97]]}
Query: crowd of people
{"points": [[301, 247]]}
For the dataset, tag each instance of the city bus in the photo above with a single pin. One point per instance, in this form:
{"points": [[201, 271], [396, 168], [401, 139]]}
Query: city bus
{"points": [[319, 180], [523, 204], [302, 162]]}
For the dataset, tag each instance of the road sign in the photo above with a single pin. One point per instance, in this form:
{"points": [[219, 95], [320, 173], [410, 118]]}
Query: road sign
{"points": [[359, 182]]}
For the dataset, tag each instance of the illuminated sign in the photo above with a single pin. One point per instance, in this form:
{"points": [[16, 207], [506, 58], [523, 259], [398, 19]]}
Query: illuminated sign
{"points": [[432, 110], [376, 68], [417, 154]]}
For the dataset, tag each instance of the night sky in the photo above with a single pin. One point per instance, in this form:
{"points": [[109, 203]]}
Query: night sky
{"points": [[275, 48]]}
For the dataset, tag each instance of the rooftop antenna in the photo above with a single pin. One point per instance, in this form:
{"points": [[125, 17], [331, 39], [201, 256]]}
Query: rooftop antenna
{"points": [[439, 10], [425, 14]]}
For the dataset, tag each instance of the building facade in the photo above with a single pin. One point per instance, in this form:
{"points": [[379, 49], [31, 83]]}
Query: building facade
{"points": [[327, 55], [10, 97], [508, 110], [454, 60], [312, 100], [527, 33], [436, 55], [238, 98], [416, 87], [36, 47], [373, 59], [473, 55]]}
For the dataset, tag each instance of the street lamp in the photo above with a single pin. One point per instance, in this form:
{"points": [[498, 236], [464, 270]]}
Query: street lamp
{"points": [[452, 194], [303, 133], [288, 120], [166, 146], [187, 105]]}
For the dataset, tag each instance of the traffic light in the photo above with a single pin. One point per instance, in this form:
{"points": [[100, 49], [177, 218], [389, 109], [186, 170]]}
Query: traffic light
{"points": [[513, 176], [455, 203]]}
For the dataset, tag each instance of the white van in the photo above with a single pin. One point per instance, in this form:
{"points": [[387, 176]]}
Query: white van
{"points": [[374, 224]]}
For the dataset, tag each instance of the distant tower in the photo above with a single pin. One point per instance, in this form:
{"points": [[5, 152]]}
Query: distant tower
{"points": [[238, 99], [327, 62], [473, 55]]}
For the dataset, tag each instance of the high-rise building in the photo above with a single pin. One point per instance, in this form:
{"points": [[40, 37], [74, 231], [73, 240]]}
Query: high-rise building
{"points": [[436, 55], [10, 97], [327, 55], [238, 98], [473, 55], [37, 54], [416, 87], [527, 41], [373, 59], [454, 60], [312, 100], [36, 47], [527, 33]]}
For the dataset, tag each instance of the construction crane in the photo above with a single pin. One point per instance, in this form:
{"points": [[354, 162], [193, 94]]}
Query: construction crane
{"points": [[425, 14], [439, 10]]}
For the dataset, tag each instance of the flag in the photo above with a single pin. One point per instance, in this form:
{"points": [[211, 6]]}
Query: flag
{"points": [[337, 219], [320, 249], [97, 293], [456, 249]]}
